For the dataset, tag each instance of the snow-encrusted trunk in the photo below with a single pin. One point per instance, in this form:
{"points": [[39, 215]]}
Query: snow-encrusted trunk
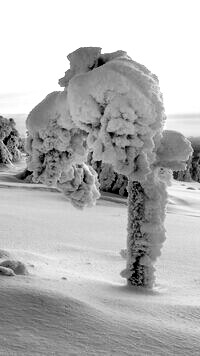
{"points": [[136, 202], [146, 233]]}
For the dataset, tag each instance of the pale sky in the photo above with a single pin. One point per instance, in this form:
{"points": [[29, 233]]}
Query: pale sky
{"points": [[37, 35]]}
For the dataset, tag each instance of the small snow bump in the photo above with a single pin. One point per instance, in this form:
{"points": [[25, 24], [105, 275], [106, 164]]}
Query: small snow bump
{"points": [[16, 267], [6, 271]]}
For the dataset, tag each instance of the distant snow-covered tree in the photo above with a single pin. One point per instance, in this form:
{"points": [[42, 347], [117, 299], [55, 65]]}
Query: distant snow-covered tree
{"points": [[194, 163], [113, 107], [192, 169], [9, 141]]}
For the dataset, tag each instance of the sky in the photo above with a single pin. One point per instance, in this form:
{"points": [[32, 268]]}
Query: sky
{"points": [[37, 35]]}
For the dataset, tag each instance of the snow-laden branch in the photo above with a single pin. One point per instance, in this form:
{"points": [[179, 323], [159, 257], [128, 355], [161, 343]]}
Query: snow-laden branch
{"points": [[57, 150]]}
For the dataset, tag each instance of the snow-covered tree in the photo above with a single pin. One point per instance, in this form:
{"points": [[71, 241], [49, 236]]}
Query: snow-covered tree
{"points": [[112, 106], [192, 170], [9, 141]]}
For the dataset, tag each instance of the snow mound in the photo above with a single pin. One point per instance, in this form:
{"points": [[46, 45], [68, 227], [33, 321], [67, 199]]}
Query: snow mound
{"points": [[5, 271], [13, 266], [10, 266]]}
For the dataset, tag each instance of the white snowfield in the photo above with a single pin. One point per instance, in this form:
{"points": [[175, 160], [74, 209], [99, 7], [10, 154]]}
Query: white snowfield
{"points": [[73, 300]]}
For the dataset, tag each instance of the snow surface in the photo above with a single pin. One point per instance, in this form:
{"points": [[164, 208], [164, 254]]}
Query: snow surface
{"points": [[73, 301]]}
